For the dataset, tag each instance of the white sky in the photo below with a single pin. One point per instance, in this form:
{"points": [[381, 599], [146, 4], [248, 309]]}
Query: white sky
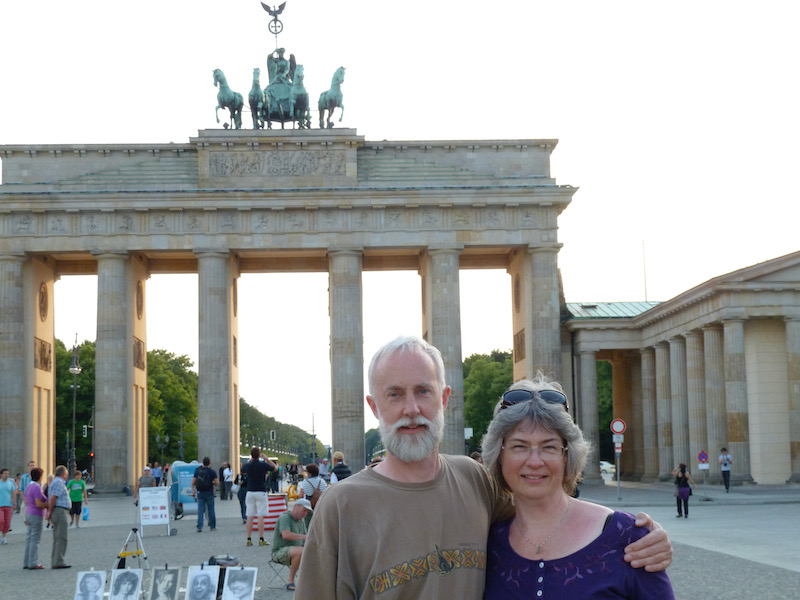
{"points": [[678, 121]]}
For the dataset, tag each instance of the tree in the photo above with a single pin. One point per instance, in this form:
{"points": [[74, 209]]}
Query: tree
{"points": [[372, 442], [171, 396], [486, 377], [84, 403]]}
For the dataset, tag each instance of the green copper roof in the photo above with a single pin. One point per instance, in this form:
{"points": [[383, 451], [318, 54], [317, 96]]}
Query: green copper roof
{"points": [[608, 310]]}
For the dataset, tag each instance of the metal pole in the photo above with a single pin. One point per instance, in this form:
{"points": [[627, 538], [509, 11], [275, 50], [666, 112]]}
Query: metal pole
{"points": [[75, 369]]}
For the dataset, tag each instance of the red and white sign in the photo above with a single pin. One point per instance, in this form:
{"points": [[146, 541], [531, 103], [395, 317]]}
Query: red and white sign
{"points": [[277, 505], [618, 426], [618, 448]]}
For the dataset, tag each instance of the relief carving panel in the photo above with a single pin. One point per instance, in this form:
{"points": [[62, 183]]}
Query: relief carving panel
{"points": [[288, 163]]}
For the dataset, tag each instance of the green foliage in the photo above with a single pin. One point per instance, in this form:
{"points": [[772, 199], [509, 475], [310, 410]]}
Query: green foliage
{"points": [[372, 443], [486, 377], [605, 407], [84, 402], [171, 394], [291, 442]]}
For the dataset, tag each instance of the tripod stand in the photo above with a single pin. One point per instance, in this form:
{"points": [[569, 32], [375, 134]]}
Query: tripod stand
{"points": [[133, 537]]}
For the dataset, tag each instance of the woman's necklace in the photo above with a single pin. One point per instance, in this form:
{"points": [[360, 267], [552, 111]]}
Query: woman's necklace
{"points": [[552, 533]]}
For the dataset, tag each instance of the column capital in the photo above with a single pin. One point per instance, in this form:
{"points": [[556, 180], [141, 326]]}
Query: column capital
{"points": [[432, 250], [553, 248], [13, 256], [211, 252], [694, 333], [712, 327], [346, 252], [647, 350], [119, 254]]}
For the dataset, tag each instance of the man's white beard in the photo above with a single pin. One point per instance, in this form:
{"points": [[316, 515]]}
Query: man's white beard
{"points": [[414, 447]]}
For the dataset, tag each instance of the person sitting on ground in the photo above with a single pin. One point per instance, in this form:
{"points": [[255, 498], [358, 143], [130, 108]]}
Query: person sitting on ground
{"points": [[290, 534]]}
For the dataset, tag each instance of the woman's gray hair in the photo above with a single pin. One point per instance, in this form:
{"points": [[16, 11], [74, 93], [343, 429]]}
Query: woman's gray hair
{"points": [[543, 414], [407, 344]]}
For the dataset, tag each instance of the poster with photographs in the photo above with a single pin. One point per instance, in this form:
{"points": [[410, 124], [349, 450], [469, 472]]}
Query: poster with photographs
{"points": [[164, 584], [202, 582], [125, 584], [90, 585], [240, 583]]}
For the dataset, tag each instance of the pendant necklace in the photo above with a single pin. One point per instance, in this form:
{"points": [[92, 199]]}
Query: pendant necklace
{"points": [[552, 533]]}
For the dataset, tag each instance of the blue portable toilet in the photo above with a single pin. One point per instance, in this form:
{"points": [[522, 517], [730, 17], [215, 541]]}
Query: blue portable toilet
{"points": [[181, 474]]}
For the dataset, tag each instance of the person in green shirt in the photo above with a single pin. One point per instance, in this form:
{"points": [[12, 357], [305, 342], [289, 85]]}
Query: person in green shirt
{"points": [[289, 537], [77, 495]]}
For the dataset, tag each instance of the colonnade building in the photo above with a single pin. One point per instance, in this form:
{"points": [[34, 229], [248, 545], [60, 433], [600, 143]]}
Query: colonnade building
{"points": [[717, 366]]}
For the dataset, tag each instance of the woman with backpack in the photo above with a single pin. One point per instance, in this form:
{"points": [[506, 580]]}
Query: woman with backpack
{"points": [[312, 487], [682, 489]]}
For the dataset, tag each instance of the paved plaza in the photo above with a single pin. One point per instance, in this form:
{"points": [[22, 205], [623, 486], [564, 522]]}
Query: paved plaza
{"points": [[737, 545]]}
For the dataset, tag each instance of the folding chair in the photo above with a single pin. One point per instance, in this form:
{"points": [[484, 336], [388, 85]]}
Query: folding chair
{"points": [[278, 573]]}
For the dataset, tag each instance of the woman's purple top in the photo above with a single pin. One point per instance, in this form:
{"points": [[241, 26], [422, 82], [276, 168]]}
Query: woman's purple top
{"points": [[593, 572], [34, 490]]}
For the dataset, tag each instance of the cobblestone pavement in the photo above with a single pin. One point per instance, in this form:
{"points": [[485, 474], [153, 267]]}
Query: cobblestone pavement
{"points": [[737, 545]]}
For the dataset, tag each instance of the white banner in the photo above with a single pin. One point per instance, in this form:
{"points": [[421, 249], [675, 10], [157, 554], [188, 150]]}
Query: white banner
{"points": [[154, 505]]}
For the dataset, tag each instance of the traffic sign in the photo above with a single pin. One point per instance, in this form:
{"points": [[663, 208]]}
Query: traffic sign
{"points": [[702, 457], [618, 448], [618, 426], [617, 437]]}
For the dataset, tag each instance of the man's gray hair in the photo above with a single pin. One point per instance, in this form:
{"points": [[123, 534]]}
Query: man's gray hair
{"points": [[404, 344], [543, 414]]}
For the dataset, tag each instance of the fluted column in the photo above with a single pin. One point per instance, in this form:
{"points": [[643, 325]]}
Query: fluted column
{"points": [[649, 415], [13, 387], [793, 359], [589, 414], [347, 353], [622, 408], [736, 399], [716, 413], [635, 437], [664, 412], [546, 314], [696, 394], [113, 394], [441, 303], [215, 386], [680, 407]]}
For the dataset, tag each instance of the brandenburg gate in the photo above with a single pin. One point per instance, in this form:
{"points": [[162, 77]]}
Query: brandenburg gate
{"points": [[260, 201]]}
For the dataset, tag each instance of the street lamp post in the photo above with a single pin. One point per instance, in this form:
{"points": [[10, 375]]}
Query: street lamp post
{"points": [[75, 369], [162, 443]]}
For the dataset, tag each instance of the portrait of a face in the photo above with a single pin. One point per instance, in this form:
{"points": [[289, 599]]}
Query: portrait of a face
{"points": [[202, 583], [164, 584], [239, 583], [90, 585], [125, 584]]}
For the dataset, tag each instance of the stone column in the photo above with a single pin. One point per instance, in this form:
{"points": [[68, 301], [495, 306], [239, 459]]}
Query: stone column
{"points": [[113, 392], [696, 395], [716, 413], [635, 438], [590, 418], [793, 359], [347, 354], [736, 399], [13, 385], [622, 409], [680, 406], [441, 314], [649, 418], [545, 327], [664, 412], [215, 386]]}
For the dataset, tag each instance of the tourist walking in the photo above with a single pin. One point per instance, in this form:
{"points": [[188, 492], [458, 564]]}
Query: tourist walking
{"points": [[8, 495], [58, 507], [203, 483], [682, 489], [77, 495], [35, 514], [725, 461]]}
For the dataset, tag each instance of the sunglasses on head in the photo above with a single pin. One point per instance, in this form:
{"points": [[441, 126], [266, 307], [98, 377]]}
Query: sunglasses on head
{"points": [[512, 397]]}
